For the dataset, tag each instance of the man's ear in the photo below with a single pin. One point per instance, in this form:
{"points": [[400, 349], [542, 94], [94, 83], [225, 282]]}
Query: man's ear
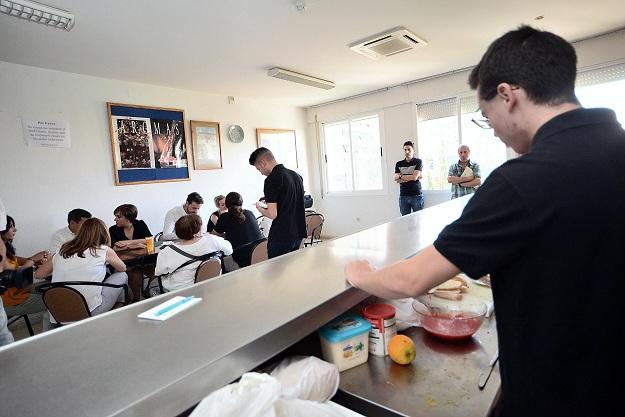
{"points": [[506, 93]]}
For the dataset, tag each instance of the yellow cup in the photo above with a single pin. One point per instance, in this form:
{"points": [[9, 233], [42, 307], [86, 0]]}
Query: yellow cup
{"points": [[149, 244]]}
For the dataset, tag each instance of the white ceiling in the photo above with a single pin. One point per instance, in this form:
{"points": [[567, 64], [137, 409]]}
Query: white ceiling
{"points": [[227, 46]]}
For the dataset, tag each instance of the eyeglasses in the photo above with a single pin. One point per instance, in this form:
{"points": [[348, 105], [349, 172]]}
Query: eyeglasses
{"points": [[480, 120]]}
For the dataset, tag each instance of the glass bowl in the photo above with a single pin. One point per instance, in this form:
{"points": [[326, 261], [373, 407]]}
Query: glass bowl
{"points": [[451, 320]]}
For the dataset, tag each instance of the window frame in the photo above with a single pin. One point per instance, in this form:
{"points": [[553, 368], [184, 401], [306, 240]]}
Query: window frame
{"points": [[324, 163], [458, 105]]}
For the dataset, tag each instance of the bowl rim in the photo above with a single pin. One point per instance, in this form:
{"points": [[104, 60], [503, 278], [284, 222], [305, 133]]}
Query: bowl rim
{"points": [[450, 307]]}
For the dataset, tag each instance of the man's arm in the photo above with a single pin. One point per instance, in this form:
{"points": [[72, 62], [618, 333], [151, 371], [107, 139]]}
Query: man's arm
{"points": [[270, 212], [412, 177], [473, 183], [407, 278], [169, 232]]}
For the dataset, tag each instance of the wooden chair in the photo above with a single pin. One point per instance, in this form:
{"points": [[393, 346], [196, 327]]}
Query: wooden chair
{"points": [[314, 224], [66, 304], [208, 269], [259, 253]]}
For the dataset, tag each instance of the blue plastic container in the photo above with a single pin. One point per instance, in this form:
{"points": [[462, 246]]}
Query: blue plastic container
{"points": [[345, 341]]}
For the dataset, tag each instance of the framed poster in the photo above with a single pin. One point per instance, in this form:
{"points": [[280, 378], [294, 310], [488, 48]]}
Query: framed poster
{"points": [[148, 143], [281, 142], [206, 145]]}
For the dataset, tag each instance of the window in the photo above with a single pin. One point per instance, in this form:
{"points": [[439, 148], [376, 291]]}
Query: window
{"points": [[353, 155], [441, 127], [437, 127], [486, 149], [604, 87]]}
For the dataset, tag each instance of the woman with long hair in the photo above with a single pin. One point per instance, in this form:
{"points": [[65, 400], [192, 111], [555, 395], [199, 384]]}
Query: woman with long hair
{"points": [[19, 301], [239, 227], [84, 258]]}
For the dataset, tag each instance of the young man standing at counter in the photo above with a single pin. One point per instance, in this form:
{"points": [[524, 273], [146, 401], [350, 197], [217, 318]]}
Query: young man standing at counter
{"points": [[556, 265], [464, 175], [407, 175], [284, 203]]}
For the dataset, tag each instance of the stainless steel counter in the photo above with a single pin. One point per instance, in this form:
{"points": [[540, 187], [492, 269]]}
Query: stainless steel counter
{"points": [[116, 364]]}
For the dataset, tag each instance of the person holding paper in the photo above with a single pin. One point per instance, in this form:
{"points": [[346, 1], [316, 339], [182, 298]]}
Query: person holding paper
{"points": [[407, 175], [284, 203], [464, 176]]}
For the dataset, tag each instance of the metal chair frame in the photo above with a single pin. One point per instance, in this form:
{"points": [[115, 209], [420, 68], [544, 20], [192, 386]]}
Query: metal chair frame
{"points": [[67, 285]]}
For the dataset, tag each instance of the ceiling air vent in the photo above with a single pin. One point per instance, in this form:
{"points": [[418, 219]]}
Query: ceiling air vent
{"points": [[392, 42]]}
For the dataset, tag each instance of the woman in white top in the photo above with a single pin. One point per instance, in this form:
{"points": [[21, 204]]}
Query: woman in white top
{"points": [[84, 258], [188, 229]]}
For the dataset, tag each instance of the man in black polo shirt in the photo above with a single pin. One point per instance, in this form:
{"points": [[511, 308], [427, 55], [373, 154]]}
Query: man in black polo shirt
{"points": [[284, 200], [407, 175], [548, 226]]}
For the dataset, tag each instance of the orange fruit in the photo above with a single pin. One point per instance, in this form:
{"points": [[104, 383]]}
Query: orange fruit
{"points": [[401, 349]]}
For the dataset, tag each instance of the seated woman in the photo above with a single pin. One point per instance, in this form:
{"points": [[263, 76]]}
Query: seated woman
{"points": [[128, 232], [84, 258], [24, 300], [169, 261], [220, 203], [239, 227]]}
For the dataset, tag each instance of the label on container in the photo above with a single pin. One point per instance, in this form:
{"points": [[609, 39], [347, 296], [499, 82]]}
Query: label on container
{"points": [[379, 338]]}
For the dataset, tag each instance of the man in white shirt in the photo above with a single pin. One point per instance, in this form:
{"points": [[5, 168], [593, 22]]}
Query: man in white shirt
{"points": [[191, 206], [75, 219]]}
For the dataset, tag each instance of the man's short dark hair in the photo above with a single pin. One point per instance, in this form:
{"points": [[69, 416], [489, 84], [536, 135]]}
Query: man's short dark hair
{"points": [[187, 226], [261, 153], [409, 143], [129, 211], [77, 214], [542, 63], [195, 198]]}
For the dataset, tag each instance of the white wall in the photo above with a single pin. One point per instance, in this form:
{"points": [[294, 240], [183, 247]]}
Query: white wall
{"points": [[346, 214], [40, 185]]}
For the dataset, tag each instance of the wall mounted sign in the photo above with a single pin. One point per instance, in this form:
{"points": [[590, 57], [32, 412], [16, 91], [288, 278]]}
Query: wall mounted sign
{"points": [[149, 144], [206, 145], [46, 133]]}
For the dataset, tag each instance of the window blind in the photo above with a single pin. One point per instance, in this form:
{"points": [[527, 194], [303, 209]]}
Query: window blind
{"points": [[601, 75], [437, 109]]}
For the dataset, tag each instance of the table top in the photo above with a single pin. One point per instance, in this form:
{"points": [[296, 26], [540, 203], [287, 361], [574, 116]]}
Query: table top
{"points": [[441, 381]]}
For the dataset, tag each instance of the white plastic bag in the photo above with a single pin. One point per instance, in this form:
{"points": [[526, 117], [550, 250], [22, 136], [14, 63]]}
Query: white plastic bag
{"points": [[307, 378], [303, 408], [254, 395]]}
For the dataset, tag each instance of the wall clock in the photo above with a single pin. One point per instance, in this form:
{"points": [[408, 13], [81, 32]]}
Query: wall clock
{"points": [[235, 134]]}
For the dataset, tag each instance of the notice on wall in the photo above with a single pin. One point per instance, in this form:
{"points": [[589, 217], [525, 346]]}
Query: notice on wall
{"points": [[46, 133]]}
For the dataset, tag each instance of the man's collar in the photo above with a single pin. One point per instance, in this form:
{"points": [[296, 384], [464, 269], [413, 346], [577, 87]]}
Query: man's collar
{"points": [[572, 119]]}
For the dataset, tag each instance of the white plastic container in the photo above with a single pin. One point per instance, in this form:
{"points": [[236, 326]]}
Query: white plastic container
{"points": [[345, 341]]}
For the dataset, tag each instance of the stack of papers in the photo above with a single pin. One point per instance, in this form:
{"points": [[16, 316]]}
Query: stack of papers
{"points": [[170, 308], [467, 173]]}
